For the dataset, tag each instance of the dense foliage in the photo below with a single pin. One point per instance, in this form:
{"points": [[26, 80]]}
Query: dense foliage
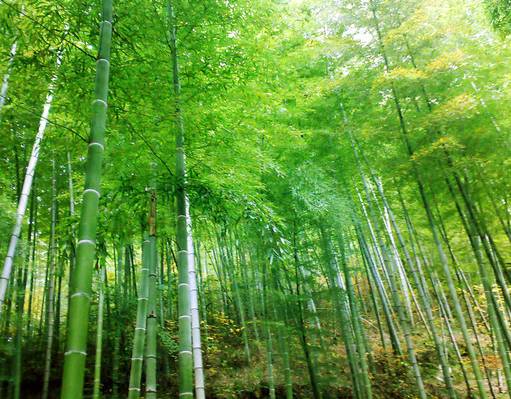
{"points": [[319, 189]]}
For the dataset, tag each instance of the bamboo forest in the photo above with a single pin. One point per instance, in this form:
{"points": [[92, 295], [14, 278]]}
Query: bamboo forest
{"points": [[219, 199]]}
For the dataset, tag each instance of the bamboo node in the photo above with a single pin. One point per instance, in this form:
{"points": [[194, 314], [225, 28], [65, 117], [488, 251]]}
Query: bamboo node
{"points": [[98, 144], [86, 242], [75, 351]]}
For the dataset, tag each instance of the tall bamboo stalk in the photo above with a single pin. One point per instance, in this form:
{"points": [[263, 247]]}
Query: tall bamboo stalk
{"points": [[7, 75], [20, 297], [198, 370], [51, 287], [269, 336], [185, 326], [27, 185], [79, 303], [152, 320], [140, 325], [96, 390]]}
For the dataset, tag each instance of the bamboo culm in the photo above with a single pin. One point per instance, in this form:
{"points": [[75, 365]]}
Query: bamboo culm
{"points": [[50, 287], [81, 280], [137, 354], [185, 327], [7, 75], [27, 186], [152, 319], [194, 310], [96, 390]]}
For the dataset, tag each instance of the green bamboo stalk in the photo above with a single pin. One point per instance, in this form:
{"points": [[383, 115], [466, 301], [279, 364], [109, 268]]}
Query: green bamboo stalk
{"points": [[50, 288], [5, 80], [117, 311], [161, 289], [79, 303], [152, 320], [170, 279], [132, 271], [43, 299], [33, 267], [204, 289], [58, 304], [96, 390], [269, 337], [21, 295], [198, 369], [184, 308], [18, 339], [140, 326], [254, 277]]}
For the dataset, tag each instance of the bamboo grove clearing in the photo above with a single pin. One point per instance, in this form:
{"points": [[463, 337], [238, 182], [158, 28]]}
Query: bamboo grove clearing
{"points": [[255, 199]]}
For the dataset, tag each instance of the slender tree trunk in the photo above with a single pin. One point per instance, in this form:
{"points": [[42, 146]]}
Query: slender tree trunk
{"points": [[185, 326], [118, 315], [194, 308], [152, 319], [18, 339], [27, 186], [137, 354], [21, 294], [33, 270], [81, 285], [269, 337], [70, 185], [96, 390], [7, 75], [50, 289]]}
